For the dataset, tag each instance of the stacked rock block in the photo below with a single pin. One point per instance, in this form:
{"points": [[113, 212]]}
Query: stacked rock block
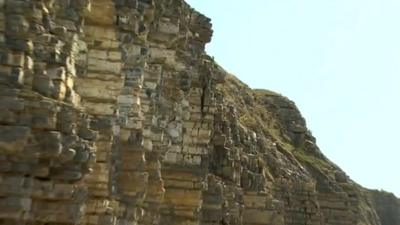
{"points": [[112, 114], [332, 198], [141, 127], [44, 155], [185, 110], [335, 208], [189, 129], [99, 84], [301, 205], [46, 141], [134, 139], [348, 206], [237, 159], [387, 206], [185, 162]]}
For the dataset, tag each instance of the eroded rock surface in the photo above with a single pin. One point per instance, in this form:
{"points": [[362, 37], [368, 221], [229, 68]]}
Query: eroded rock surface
{"points": [[387, 207], [112, 114]]}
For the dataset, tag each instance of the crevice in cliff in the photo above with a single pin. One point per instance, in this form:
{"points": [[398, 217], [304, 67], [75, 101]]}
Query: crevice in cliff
{"points": [[140, 126], [203, 99]]}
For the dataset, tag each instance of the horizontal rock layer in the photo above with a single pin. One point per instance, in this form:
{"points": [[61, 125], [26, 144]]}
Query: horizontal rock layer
{"points": [[112, 114]]}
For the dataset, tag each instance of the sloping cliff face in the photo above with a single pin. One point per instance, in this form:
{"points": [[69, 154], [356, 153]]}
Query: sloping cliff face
{"points": [[112, 114], [387, 206]]}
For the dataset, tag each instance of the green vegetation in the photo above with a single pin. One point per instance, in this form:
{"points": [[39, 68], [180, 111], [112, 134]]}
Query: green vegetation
{"points": [[312, 160]]}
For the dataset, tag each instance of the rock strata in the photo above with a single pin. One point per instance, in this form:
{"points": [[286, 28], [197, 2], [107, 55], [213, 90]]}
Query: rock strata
{"points": [[111, 113]]}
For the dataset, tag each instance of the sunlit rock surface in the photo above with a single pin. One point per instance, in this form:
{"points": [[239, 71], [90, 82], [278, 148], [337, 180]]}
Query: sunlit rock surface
{"points": [[111, 113]]}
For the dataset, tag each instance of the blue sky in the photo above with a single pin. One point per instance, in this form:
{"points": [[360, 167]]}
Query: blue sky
{"points": [[339, 60]]}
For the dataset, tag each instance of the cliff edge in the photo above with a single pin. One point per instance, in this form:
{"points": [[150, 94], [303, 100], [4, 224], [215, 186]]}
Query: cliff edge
{"points": [[111, 113]]}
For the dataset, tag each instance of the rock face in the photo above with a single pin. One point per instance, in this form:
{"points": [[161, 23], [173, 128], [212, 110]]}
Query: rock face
{"points": [[112, 114], [387, 206]]}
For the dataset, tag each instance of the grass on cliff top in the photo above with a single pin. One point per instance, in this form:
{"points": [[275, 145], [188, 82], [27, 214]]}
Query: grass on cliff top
{"points": [[321, 164], [259, 118], [253, 116]]}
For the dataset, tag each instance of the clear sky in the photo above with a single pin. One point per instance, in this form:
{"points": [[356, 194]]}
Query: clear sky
{"points": [[339, 60]]}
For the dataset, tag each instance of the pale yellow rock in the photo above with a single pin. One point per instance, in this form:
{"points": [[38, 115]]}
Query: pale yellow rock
{"points": [[99, 108], [102, 12], [133, 124], [133, 51], [258, 217], [148, 144], [73, 98], [104, 55], [194, 160], [168, 56], [147, 132], [69, 82], [182, 197], [15, 59], [188, 140], [104, 66], [157, 137], [171, 157], [124, 135], [101, 33], [150, 85], [97, 89], [54, 212], [137, 91], [100, 173], [195, 150], [97, 206], [180, 184], [254, 201], [129, 100], [60, 90], [194, 108], [132, 183], [165, 26], [175, 148]]}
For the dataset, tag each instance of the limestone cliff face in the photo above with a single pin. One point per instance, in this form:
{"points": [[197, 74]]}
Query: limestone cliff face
{"points": [[387, 207], [112, 114]]}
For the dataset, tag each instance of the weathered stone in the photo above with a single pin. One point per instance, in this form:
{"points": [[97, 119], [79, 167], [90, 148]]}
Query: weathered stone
{"points": [[13, 138], [111, 113]]}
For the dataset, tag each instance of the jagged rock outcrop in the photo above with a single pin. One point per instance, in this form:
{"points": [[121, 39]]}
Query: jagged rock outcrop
{"points": [[112, 114], [387, 207]]}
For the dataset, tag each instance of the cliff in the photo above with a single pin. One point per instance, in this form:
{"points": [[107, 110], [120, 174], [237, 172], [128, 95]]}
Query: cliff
{"points": [[111, 113]]}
